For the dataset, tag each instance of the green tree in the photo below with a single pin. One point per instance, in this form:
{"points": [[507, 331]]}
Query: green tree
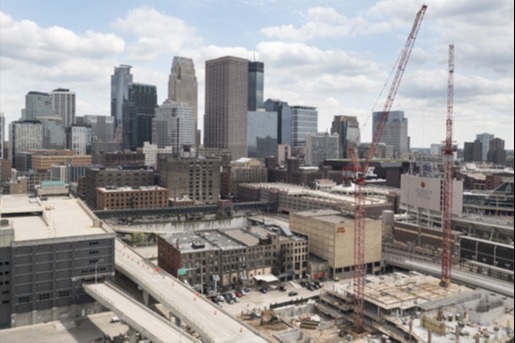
{"points": [[138, 238]]}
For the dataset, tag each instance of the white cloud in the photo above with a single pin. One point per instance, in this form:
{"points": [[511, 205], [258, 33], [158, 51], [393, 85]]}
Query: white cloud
{"points": [[321, 22], [156, 33], [26, 41], [42, 59]]}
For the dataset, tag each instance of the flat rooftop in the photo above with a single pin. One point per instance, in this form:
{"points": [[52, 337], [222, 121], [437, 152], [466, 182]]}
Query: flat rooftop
{"points": [[130, 189], [243, 236], [188, 242], [56, 217], [404, 291]]}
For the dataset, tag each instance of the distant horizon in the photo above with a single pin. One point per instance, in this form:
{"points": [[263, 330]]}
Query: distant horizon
{"points": [[335, 56]]}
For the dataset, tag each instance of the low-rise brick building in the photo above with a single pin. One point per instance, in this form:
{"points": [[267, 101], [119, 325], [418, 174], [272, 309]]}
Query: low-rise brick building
{"points": [[115, 198]]}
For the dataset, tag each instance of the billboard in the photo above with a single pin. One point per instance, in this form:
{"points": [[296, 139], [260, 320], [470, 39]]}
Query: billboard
{"points": [[426, 193]]}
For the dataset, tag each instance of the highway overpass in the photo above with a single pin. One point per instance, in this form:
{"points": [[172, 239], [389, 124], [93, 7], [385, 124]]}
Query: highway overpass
{"points": [[136, 315], [186, 305]]}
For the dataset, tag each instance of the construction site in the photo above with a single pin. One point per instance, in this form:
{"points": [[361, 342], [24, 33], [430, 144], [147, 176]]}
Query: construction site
{"points": [[398, 307], [401, 306]]}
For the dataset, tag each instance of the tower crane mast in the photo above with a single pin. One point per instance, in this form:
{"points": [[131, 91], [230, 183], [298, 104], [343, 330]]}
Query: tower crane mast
{"points": [[360, 179], [447, 182]]}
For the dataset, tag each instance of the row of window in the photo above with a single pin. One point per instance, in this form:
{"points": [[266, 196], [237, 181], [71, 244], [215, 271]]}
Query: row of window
{"points": [[42, 296]]}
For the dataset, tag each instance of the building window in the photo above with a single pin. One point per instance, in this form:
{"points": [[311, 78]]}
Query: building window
{"points": [[22, 300], [44, 296]]}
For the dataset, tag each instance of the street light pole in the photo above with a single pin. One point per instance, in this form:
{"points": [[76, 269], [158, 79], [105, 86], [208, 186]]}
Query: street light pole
{"points": [[96, 265], [201, 278]]}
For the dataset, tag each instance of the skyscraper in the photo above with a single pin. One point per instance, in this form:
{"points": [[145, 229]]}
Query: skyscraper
{"points": [[37, 104], [262, 133], [173, 125], [347, 128], [63, 105], [138, 112], [496, 153], [304, 121], [102, 127], [284, 119], [183, 86], [320, 147], [120, 90], [2, 136], [472, 151], [485, 139], [24, 136], [79, 139], [256, 85], [226, 104], [395, 132], [53, 132]]}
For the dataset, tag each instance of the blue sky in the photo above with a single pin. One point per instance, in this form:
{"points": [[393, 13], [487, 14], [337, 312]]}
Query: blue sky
{"points": [[332, 54]]}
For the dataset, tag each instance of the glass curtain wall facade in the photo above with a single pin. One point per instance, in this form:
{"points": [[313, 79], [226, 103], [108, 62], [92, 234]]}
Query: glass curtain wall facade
{"points": [[304, 121], [183, 85], [173, 126], [54, 136], [395, 132], [256, 85], [120, 81], [138, 114], [37, 104], [262, 134], [284, 119]]}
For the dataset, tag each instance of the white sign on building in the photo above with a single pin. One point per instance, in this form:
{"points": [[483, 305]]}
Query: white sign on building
{"points": [[426, 193]]}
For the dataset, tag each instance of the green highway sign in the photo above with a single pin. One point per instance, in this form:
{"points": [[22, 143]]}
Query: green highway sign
{"points": [[181, 271]]}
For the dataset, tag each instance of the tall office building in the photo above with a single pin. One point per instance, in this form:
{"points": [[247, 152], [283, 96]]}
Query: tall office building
{"points": [[53, 132], [262, 134], [256, 85], [2, 135], [347, 128], [395, 132], [226, 103], [37, 104], [321, 146], [304, 121], [183, 87], [173, 126], [472, 151], [63, 105], [24, 136], [496, 153], [138, 112], [78, 138], [485, 139], [284, 119], [120, 81], [102, 127]]}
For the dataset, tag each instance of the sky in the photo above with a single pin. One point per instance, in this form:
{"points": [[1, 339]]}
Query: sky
{"points": [[335, 55]]}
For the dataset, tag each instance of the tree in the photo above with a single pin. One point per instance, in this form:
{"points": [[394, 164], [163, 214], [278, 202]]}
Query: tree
{"points": [[138, 238]]}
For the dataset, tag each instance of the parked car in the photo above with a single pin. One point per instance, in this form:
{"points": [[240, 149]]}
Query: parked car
{"points": [[263, 290], [282, 288], [239, 294], [292, 294]]}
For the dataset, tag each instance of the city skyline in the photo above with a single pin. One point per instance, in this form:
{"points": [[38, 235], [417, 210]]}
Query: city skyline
{"points": [[333, 56]]}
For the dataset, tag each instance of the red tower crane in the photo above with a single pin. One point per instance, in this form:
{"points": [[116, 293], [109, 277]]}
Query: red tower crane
{"points": [[360, 179], [447, 182]]}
